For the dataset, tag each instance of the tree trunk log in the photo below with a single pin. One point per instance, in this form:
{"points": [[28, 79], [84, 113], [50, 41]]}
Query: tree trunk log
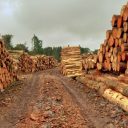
{"points": [[125, 26], [116, 98], [124, 56], [125, 37], [124, 47], [111, 41], [119, 33], [120, 22]]}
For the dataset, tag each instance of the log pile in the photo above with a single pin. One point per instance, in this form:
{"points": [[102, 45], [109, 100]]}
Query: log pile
{"points": [[113, 53], [7, 73], [26, 64], [45, 62], [89, 61], [15, 56], [71, 61]]}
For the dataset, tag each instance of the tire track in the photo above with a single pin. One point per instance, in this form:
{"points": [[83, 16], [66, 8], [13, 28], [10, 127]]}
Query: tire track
{"points": [[91, 116]]}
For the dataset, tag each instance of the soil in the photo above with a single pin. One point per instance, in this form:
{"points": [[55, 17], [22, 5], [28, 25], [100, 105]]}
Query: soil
{"points": [[48, 99]]}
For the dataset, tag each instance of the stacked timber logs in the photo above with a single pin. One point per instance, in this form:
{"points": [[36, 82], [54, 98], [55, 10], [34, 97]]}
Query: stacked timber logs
{"points": [[45, 62], [89, 61], [71, 61], [113, 53], [7, 73], [15, 56], [26, 63]]}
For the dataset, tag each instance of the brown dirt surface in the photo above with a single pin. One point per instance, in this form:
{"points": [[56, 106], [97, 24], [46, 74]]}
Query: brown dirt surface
{"points": [[47, 99]]}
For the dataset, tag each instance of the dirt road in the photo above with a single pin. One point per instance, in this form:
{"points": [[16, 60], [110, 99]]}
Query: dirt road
{"points": [[47, 99]]}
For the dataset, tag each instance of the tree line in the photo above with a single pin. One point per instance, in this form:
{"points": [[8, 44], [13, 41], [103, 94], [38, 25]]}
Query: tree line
{"points": [[37, 47]]}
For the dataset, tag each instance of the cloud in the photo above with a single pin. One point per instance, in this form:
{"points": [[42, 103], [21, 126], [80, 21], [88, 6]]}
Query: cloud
{"points": [[61, 22]]}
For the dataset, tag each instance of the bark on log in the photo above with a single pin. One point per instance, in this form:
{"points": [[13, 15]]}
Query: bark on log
{"points": [[121, 41], [124, 47], [101, 57], [125, 37], [121, 67], [125, 26], [116, 98], [107, 48], [120, 22], [119, 33], [92, 84], [124, 56], [116, 42], [114, 32], [99, 66], [111, 41], [119, 57]]}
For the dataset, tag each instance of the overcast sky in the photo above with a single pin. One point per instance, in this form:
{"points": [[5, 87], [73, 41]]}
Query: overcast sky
{"points": [[58, 22]]}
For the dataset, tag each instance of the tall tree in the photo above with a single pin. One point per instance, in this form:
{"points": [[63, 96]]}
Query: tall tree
{"points": [[48, 51], [7, 39], [37, 45], [56, 52]]}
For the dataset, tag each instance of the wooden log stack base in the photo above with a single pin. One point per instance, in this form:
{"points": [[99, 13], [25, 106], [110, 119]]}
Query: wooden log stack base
{"points": [[7, 73], [113, 52], [71, 61]]}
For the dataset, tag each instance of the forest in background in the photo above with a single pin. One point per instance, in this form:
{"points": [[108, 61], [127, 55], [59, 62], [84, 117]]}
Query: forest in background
{"points": [[37, 47]]}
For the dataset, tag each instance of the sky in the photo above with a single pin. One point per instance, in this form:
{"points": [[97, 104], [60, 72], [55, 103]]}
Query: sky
{"points": [[58, 22]]}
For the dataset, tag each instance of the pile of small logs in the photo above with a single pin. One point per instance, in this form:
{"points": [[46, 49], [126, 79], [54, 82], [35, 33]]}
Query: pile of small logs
{"points": [[26, 63], [45, 62], [7, 73], [71, 61], [113, 53], [89, 61], [15, 56]]}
